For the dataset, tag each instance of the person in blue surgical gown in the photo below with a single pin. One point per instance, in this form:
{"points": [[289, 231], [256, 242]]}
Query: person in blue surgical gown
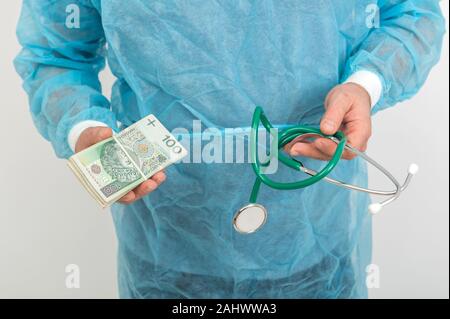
{"points": [[327, 63]]}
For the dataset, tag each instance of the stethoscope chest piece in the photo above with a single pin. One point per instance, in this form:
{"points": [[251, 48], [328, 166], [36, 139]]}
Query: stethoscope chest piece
{"points": [[250, 218]]}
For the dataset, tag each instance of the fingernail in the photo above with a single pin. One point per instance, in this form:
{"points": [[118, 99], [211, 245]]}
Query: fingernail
{"points": [[328, 125], [295, 150]]}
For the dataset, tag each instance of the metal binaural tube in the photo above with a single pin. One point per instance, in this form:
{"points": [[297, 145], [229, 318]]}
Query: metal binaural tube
{"points": [[394, 194]]}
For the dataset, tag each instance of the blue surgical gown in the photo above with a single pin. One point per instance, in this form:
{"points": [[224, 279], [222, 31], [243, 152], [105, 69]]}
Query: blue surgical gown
{"points": [[214, 61]]}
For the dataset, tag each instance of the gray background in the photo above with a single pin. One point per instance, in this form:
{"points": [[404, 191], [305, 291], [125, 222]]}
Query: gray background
{"points": [[48, 221]]}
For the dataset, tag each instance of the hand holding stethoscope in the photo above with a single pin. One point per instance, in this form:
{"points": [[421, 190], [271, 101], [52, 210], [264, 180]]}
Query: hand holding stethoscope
{"points": [[253, 216]]}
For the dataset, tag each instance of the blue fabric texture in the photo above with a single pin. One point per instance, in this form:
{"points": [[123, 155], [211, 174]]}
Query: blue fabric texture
{"points": [[214, 61]]}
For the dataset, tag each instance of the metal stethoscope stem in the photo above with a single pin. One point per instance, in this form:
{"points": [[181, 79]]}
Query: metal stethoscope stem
{"points": [[374, 208]]}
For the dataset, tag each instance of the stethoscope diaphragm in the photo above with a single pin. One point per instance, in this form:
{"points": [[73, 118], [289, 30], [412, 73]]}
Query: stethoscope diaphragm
{"points": [[250, 218]]}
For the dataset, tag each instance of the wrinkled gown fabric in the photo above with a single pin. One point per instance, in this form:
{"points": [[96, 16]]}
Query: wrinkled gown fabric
{"points": [[214, 61]]}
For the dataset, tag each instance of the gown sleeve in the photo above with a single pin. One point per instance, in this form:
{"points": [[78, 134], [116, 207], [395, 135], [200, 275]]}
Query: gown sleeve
{"points": [[402, 49], [63, 50]]}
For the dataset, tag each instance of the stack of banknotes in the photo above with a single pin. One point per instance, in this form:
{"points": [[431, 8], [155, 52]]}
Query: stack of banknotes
{"points": [[110, 169]]}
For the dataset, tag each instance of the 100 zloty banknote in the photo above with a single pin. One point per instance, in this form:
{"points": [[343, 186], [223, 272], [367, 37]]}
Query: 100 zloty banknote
{"points": [[110, 169]]}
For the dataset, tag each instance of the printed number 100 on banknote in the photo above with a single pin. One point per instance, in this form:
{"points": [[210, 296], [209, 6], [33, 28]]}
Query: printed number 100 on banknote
{"points": [[113, 167]]}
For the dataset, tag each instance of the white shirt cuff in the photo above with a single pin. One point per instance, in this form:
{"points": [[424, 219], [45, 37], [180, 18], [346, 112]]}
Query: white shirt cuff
{"points": [[76, 131], [370, 81]]}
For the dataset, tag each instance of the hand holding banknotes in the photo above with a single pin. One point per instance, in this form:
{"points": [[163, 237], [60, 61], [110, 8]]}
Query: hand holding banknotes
{"points": [[94, 135], [126, 166]]}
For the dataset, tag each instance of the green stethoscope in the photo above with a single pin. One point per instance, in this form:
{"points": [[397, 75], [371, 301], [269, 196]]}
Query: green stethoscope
{"points": [[253, 216]]}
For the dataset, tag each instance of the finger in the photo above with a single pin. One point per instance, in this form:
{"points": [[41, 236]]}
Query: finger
{"points": [[159, 177], [128, 198], [308, 150], [328, 148], [145, 188], [300, 139], [325, 146], [356, 141], [337, 104], [358, 133], [287, 148], [149, 185]]}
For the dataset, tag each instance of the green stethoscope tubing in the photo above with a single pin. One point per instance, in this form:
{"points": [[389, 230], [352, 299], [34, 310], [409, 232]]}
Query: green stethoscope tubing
{"points": [[284, 137]]}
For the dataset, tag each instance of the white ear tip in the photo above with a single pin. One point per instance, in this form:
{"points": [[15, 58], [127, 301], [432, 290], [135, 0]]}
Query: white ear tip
{"points": [[413, 169], [375, 208]]}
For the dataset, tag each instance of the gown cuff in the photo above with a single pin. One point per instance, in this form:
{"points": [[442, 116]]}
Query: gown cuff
{"points": [[370, 81], [76, 131]]}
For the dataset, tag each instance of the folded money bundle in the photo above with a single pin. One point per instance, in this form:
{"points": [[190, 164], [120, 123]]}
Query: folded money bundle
{"points": [[110, 169]]}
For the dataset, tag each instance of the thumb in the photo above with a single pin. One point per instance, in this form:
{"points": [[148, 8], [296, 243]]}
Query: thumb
{"points": [[91, 136], [337, 104], [101, 134]]}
